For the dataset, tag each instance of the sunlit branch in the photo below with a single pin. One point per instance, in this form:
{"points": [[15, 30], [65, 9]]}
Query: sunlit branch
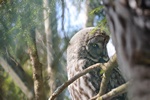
{"points": [[114, 92], [66, 84]]}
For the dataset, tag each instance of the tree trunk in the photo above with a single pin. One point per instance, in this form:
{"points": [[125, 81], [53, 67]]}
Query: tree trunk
{"points": [[86, 13], [49, 44], [89, 17], [37, 69], [129, 22]]}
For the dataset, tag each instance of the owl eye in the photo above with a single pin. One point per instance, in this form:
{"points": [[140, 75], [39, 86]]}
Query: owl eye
{"points": [[95, 45]]}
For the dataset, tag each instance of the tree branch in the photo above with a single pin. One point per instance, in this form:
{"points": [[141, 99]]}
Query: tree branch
{"points": [[66, 84], [114, 92], [106, 76]]}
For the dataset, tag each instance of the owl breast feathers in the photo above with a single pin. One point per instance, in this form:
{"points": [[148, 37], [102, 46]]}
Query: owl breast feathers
{"points": [[88, 47]]}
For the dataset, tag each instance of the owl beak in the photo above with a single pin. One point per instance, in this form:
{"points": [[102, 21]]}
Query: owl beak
{"points": [[104, 56], [104, 59]]}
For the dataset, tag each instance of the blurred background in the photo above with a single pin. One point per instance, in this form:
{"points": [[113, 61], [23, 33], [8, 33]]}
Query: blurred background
{"points": [[48, 24]]}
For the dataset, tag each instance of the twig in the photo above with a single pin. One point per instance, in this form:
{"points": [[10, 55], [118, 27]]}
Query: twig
{"points": [[106, 75], [114, 92], [66, 84]]}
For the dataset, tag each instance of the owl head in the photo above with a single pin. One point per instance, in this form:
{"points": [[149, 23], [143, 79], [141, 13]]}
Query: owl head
{"points": [[90, 43]]}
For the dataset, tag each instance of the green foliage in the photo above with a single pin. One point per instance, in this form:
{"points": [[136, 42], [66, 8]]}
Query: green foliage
{"points": [[102, 72], [96, 10], [102, 23], [18, 18], [11, 91], [103, 26]]}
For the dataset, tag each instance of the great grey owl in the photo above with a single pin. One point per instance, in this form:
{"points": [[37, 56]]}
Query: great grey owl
{"points": [[88, 47]]}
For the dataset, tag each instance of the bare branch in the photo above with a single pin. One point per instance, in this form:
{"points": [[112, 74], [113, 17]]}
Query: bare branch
{"points": [[66, 84], [114, 92], [106, 76]]}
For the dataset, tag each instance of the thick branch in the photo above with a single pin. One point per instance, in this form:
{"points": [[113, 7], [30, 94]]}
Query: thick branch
{"points": [[106, 76], [66, 84], [114, 92]]}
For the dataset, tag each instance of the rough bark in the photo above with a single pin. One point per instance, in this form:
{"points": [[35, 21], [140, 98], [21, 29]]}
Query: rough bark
{"points": [[37, 69], [129, 22]]}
